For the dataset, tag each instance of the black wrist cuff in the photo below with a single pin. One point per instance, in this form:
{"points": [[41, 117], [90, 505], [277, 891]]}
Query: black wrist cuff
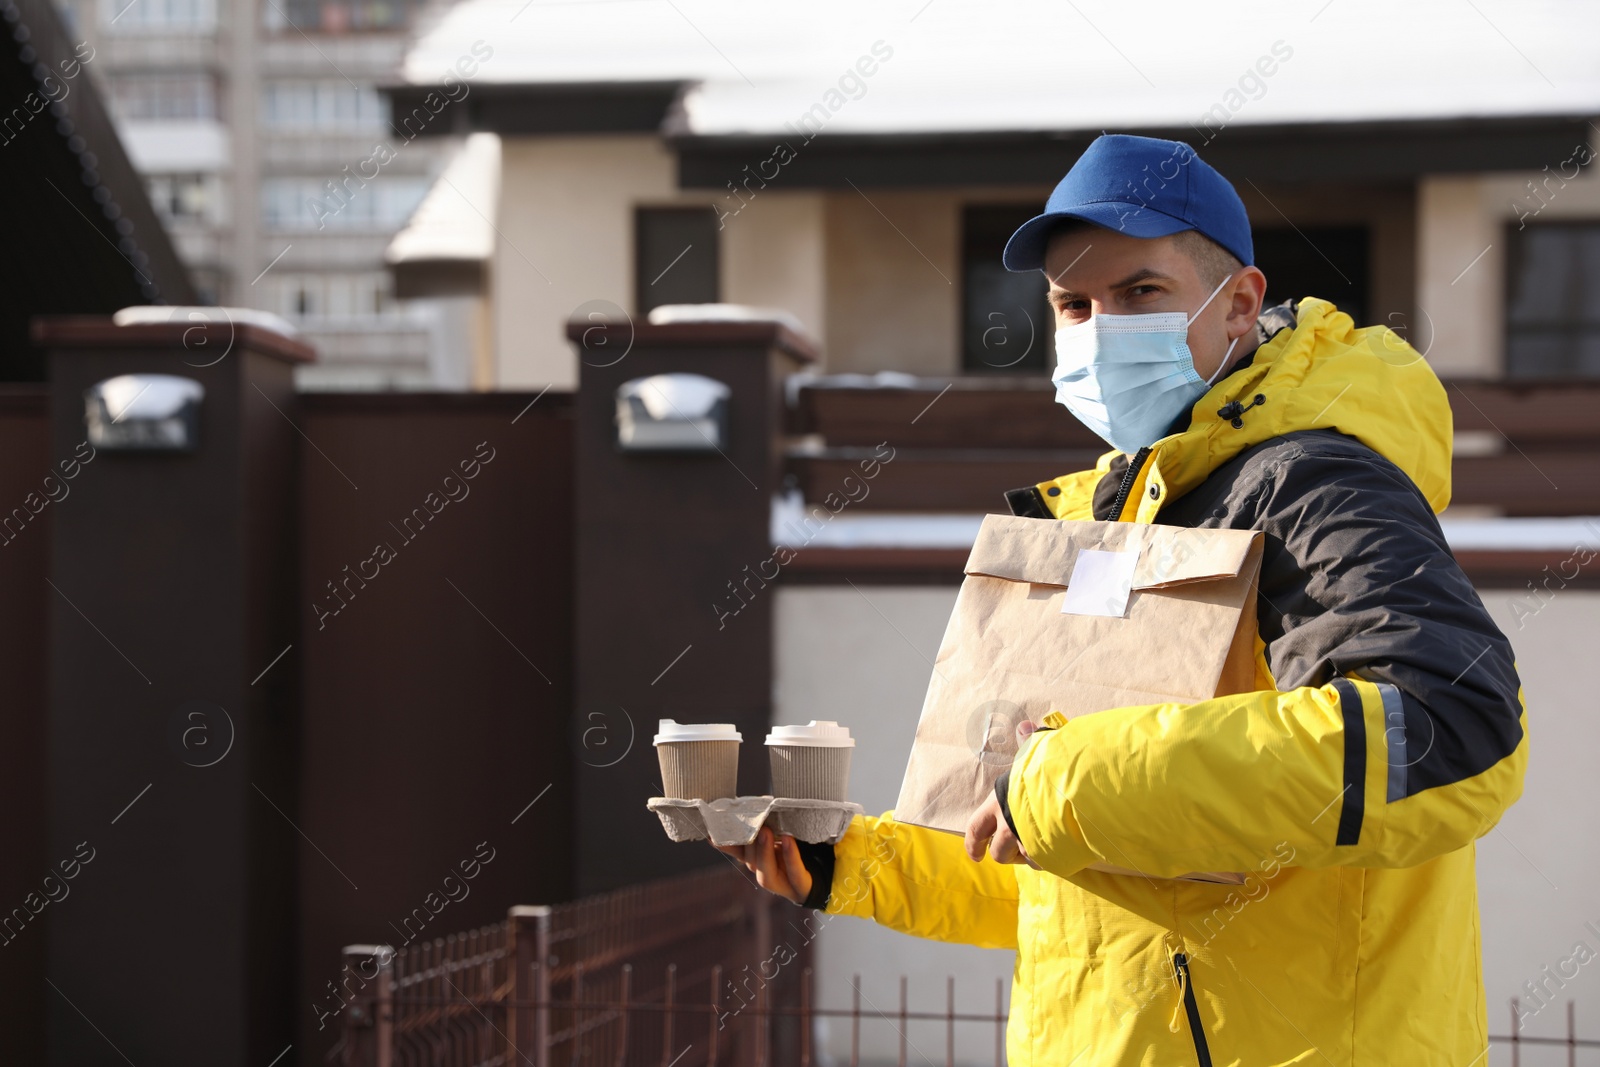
{"points": [[1002, 786], [818, 861]]}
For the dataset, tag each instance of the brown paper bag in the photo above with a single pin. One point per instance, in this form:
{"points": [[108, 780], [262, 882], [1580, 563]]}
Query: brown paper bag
{"points": [[1185, 632]]}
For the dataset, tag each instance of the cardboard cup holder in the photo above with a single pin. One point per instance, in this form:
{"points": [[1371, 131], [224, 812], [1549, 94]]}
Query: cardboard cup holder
{"points": [[737, 820]]}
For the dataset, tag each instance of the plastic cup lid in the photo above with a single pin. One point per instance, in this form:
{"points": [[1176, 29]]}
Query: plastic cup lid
{"points": [[818, 733], [695, 731]]}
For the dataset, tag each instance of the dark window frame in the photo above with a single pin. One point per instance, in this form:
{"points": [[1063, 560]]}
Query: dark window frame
{"points": [[1570, 327], [1017, 335], [693, 288]]}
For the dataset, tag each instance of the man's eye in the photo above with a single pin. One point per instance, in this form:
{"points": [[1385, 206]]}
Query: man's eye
{"points": [[1143, 290]]}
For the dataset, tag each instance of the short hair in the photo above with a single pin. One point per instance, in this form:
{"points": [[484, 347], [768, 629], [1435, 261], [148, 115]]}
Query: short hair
{"points": [[1211, 260], [1214, 262]]}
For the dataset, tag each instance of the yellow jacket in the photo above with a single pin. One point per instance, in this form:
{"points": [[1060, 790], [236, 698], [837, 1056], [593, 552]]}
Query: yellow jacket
{"points": [[1350, 788]]}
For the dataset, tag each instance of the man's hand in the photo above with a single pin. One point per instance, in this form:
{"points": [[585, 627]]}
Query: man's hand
{"points": [[775, 861], [988, 828]]}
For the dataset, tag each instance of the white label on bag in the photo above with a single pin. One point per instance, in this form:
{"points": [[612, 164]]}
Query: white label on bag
{"points": [[1101, 583]]}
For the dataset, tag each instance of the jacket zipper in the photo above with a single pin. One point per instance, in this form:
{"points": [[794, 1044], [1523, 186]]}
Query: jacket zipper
{"points": [[1129, 476], [1191, 1008]]}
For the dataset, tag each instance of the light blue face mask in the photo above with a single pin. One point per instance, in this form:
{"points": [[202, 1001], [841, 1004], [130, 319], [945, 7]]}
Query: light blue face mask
{"points": [[1129, 377]]}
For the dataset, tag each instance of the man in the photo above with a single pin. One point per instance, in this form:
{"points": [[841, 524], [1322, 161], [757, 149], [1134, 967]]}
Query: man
{"points": [[1387, 733]]}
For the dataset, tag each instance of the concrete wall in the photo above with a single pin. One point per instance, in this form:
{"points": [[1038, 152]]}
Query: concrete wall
{"points": [[1539, 870], [566, 238], [774, 255], [864, 657], [876, 281], [894, 277]]}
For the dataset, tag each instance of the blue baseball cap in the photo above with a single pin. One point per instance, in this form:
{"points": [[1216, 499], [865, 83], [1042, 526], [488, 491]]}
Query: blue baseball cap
{"points": [[1143, 187]]}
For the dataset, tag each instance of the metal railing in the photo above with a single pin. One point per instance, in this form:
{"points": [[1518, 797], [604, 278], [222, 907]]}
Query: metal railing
{"points": [[679, 1032], [685, 972], [674, 1032], [544, 986], [1571, 1042]]}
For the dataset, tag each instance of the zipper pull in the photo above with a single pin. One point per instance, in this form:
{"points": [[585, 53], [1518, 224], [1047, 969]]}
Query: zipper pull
{"points": [[1180, 967]]}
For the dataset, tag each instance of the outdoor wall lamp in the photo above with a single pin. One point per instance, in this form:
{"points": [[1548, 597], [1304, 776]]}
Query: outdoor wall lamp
{"points": [[144, 412], [672, 413]]}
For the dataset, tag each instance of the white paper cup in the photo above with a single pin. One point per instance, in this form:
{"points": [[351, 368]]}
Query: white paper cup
{"points": [[699, 761], [810, 762]]}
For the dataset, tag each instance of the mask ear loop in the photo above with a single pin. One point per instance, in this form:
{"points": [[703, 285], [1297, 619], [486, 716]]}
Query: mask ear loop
{"points": [[1210, 298], [1216, 373], [1196, 315]]}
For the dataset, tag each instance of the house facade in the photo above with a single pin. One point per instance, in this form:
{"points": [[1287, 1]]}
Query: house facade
{"points": [[869, 194]]}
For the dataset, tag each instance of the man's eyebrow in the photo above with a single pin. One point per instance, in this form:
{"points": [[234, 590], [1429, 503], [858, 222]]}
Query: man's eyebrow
{"points": [[1143, 274]]}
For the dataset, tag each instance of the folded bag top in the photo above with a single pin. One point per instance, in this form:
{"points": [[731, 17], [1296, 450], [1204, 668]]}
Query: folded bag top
{"points": [[1045, 551]]}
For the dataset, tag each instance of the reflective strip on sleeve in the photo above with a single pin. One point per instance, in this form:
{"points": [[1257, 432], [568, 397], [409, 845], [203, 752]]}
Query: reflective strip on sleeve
{"points": [[1355, 764], [1394, 734]]}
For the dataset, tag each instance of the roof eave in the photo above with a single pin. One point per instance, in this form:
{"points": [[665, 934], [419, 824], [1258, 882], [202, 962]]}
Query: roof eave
{"points": [[534, 109], [1389, 150]]}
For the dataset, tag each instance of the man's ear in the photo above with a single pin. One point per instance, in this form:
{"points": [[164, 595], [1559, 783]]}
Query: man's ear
{"points": [[1249, 292]]}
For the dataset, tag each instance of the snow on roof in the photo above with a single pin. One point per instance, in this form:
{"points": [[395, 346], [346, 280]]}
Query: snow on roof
{"points": [[847, 529], [452, 222], [790, 527], [1526, 534], [1042, 65]]}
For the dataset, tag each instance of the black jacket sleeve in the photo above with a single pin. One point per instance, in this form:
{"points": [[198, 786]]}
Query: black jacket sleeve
{"points": [[1357, 579]]}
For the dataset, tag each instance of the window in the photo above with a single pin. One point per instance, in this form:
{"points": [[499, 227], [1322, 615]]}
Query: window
{"points": [[676, 258], [326, 296], [338, 16], [180, 197], [322, 105], [163, 96], [1553, 300], [1006, 323], [382, 204], [159, 15], [1329, 262]]}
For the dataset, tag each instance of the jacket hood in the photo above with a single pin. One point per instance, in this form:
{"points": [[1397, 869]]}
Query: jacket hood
{"points": [[1369, 384], [1326, 375]]}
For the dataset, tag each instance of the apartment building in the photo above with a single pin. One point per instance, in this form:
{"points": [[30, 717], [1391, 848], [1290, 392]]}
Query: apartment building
{"points": [[255, 126]]}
